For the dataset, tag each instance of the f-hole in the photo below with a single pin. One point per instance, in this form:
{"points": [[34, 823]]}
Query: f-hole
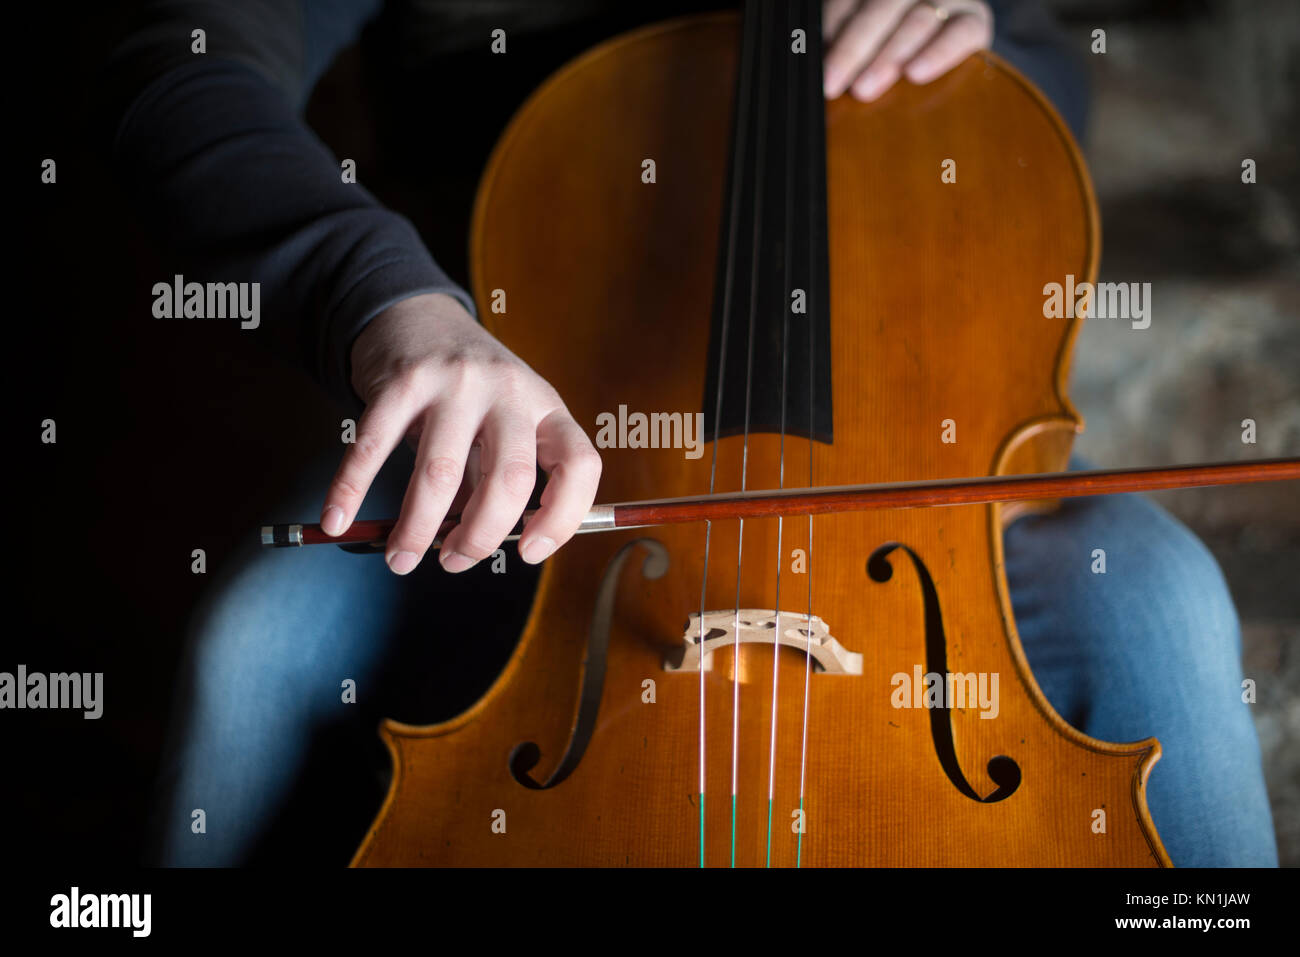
{"points": [[1003, 770], [525, 755]]}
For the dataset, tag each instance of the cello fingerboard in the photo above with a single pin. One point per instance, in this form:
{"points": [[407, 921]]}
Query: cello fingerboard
{"points": [[769, 365]]}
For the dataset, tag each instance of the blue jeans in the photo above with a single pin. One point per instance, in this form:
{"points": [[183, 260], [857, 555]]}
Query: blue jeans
{"points": [[262, 744]]}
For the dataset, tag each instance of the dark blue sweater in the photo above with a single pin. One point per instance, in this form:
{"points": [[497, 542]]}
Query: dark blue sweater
{"points": [[214, 152]]}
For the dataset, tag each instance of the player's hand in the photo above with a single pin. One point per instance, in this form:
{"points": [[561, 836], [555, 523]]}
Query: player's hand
{"points": [[871, 43], [482, 422]]}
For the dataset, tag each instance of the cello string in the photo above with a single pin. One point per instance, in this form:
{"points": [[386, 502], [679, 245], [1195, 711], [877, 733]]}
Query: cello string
{"points": [[760, 143], [785, 374], [814, 31], [741, 134]]}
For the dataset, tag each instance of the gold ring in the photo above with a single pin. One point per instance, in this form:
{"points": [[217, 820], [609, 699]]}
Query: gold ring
{"points": [[939, 11]]}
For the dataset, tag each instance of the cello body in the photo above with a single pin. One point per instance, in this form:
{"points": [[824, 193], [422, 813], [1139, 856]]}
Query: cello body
{"points": [[588, 749]]}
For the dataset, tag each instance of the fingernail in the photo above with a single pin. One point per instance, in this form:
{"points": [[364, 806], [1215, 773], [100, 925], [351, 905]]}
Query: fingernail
{"points": [[331, 520], [871, 85], [402, 562], [920, 71], [537, 549], [831, 85], [456, 562]]}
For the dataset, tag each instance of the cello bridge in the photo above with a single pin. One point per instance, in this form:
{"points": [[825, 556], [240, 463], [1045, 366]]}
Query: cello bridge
{"points": [[800, 631]]}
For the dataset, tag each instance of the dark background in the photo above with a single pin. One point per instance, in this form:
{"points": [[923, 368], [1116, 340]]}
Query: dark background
{"points": [[173, 436]]}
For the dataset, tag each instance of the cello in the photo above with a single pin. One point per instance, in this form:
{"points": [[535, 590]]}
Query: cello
{"points": [[753, 689]]}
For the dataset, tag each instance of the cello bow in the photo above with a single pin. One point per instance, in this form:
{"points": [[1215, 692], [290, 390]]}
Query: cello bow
{"points": [[770, 503]]}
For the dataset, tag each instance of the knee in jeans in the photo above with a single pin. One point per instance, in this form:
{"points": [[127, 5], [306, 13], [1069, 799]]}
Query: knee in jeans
{"points": [[1176, 607]]}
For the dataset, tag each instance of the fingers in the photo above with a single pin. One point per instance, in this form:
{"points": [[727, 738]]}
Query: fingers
{"points": [[473, 476], [879, 41], [382, 426], [435, 482], [917, 27], [509, 457], [573, 464], [963, 35], [861, 36], [481, 464]]}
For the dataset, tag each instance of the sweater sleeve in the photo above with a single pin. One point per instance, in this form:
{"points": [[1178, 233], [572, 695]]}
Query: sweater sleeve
{"points": [[213, 152], [1031, 40]]}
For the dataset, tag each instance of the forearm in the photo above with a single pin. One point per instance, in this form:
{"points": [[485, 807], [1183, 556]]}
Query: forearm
{"points": [[215, 156]]}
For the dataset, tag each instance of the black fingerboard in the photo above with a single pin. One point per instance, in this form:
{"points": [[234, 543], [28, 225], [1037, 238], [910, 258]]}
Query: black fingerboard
{"points": [[773, 238]]}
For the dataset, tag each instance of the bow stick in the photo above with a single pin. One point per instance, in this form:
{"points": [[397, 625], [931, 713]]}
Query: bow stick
{"points": [[769, 503]]}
